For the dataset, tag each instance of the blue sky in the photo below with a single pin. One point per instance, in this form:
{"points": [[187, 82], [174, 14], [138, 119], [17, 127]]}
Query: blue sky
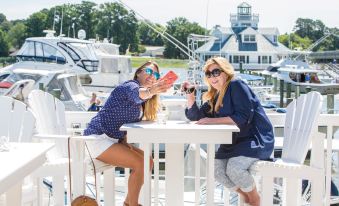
{"points": [[272, 13]]}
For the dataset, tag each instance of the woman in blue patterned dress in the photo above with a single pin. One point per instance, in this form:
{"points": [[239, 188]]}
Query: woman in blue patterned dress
{"points": [[231, 101], [131, 101]]}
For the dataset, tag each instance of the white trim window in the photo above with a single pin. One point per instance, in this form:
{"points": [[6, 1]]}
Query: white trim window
{"points": [[249, 38]]}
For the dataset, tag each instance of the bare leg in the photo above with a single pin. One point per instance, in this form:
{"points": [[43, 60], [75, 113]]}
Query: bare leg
{"points": [[254, 197], [244, 195], [139, 152], [122, 156]]}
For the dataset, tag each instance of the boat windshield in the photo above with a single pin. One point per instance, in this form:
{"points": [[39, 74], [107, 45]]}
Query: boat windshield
{"points": [[40, 52], [14, 77], [82, 54]]}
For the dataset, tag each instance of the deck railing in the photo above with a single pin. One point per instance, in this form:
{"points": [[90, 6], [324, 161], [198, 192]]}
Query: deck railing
{"points": [[328, 123]]}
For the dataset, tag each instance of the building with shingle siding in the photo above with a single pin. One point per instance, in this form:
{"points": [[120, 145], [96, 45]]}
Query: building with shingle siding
{"points": [[245, 42]]}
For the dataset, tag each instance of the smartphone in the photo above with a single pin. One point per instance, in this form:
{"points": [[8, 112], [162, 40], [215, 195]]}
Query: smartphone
{"points": [[170, 77]]}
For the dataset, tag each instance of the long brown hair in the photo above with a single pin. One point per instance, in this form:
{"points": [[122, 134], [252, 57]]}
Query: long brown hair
{"points": [[226, 67], [151, 106]]}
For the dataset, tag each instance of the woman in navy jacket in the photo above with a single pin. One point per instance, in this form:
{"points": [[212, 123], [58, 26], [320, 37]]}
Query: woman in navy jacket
{"points": [[231, 101]]}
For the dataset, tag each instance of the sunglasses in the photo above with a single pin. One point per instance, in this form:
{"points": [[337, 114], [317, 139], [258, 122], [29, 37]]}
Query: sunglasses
{"points": [[150, 71], [215, 73]]}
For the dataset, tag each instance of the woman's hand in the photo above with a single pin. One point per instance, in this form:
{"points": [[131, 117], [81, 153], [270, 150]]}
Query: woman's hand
{"points": [[216, 120], [189, 89], [206, 120], [159, 87]]}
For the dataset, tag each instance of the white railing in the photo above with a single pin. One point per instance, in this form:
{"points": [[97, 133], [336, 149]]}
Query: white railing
{"points": [[77, 121]]}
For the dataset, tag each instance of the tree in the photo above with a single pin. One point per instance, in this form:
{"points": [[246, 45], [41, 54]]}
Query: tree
{"points": [[4, 46], [148, 36], [2, 18], [36, 23], [180, 28], [86, 13], [118, 24], [17, 35]]}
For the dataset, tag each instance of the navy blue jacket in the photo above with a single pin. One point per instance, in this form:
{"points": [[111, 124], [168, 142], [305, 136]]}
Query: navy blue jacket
{"points": [[256, 138]]}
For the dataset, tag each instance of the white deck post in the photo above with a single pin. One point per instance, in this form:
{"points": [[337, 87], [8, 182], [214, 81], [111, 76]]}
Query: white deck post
{"points": [[210, 174], [174, 171]]}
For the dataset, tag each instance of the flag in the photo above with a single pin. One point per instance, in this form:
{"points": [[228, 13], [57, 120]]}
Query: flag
{"points": [[56, 18]]}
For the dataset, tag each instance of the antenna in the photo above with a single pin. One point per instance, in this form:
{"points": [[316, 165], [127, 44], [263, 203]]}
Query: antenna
{"points": [[62, 19], [54, 19]]}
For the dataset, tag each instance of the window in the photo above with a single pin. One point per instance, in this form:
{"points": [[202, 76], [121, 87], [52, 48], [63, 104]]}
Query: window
{"points": [[248, 59], [264, 59], [235, 59], [230, 58], [242, 59], [270, 59], [274, 38], [249, 38], [51, 54], [259, 60]]}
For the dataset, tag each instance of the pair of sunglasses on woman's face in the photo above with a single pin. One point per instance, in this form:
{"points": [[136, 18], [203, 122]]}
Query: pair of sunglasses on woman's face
{"points": [[215, 73], [150, 71]]}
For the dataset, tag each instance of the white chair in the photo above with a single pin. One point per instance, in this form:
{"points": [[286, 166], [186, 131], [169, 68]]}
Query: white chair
{"points": [[17, 123], [51, 124], [301, 128]]}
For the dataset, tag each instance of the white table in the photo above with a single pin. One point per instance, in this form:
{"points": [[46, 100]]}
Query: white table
{"points": [[16, 164], [175, 134]]}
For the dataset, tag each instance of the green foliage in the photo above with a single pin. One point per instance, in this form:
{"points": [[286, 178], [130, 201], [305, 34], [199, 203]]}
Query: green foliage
{"points": [[17, 35], [2, 18], [85, 13], [180, 28], [294, 41], [36, 23], [4, 46], [142, 49], [163, 63], [148, 36], [118, 24], [307, 32]]}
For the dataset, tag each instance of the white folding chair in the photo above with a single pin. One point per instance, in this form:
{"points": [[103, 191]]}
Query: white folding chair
{"points": [[301, 128], [51, 124], [17, 124]]}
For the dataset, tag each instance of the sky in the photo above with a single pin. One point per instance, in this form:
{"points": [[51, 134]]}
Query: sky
{"points": [[208, 13]]}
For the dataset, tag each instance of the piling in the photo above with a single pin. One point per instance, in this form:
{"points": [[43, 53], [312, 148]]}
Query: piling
{"points": [[281, 88], [330, 103]]}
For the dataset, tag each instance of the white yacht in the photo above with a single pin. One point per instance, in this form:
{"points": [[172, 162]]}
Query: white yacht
{"points": [[55, 62], [306, 78]]}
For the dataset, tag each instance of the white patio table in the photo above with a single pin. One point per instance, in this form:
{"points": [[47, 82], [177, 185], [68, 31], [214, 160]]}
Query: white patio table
{"points": [[175, 134], [21, 160]]}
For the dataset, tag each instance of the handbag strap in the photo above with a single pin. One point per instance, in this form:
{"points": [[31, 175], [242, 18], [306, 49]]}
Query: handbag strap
{"points": [[70, 174]]}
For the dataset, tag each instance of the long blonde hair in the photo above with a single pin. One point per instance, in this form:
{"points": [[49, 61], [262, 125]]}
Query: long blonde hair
{"points": [[151, 106], [209, 96]]}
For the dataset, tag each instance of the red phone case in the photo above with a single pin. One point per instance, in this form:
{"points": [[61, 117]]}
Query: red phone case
{"points": [[170, 77]]}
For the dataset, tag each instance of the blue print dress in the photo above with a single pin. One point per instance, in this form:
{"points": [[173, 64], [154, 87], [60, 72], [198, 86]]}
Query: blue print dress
{"points": [[122, 106]]}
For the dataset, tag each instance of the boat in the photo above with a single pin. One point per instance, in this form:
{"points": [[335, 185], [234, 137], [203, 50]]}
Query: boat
{"points": [[273, 68], [76, 67], [65, 85], [306, 79]]}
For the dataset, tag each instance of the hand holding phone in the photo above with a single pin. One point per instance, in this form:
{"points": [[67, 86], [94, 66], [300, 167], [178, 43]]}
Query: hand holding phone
{"points": [[170, 77]]}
